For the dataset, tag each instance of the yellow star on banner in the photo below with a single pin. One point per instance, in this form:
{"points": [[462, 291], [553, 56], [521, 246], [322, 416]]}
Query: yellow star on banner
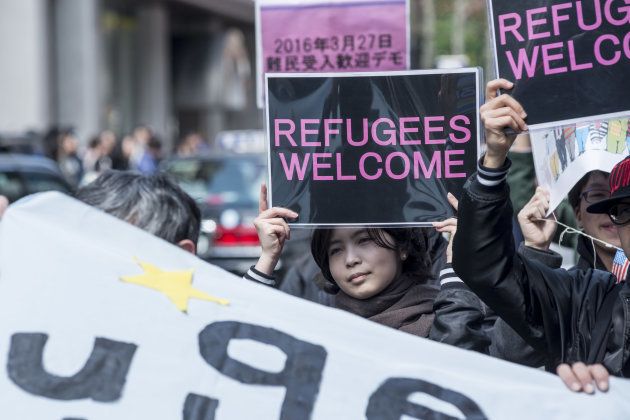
{"points": [[175, 285]]}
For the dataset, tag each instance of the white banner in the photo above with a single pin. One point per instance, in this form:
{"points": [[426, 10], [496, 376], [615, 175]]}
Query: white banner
{"points": [[563, 155], [101, 320]]}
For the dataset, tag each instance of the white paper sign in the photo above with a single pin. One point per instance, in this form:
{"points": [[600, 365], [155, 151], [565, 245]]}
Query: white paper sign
{"points": [[563, 155], [93, 328]]}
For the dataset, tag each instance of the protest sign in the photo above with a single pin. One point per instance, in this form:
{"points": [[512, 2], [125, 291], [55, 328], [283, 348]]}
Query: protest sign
{"points": [[319, 36], [104, 321], [563, 155], [371, 148], [569, 61]]}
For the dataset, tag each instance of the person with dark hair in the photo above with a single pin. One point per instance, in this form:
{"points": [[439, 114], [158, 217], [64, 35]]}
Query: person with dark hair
{"points": [[384, 275], [67, 156], [123, 153], [380, 274], [154, 203], [592, 188], [599, 241], [91, 154], [576, 318], [190, 145], [149, 161]]}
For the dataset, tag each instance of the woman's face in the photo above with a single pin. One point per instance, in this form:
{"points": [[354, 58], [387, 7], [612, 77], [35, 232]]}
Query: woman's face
{"points": [[360, 267]]}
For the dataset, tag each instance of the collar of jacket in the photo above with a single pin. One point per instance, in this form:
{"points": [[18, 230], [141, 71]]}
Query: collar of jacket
{"points": [[585, 255]]}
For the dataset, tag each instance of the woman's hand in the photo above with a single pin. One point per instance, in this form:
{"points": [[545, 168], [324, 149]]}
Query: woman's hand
{"points": [[272, 230], [449, 226], [537, 231]]}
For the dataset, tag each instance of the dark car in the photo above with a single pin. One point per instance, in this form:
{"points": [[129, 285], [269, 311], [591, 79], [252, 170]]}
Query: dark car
{"points": [[226, 188], [22, 175]]}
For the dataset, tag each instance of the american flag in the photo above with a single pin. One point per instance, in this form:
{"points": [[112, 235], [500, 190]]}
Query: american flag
{"points": [[620, 266]]}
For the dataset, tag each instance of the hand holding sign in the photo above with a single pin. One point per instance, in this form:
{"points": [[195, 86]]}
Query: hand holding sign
{"points": [[449, 226], [272, 230], [339, 145], [537, 232], [498, 113]]}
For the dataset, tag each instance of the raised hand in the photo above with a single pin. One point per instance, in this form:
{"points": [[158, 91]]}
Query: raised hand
{"points": [[499, 113], [537, 229], [449, 226], [273, 231]]}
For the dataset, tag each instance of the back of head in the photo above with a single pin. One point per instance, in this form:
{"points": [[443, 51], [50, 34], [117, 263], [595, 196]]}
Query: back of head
{"points": [[153, 203]]}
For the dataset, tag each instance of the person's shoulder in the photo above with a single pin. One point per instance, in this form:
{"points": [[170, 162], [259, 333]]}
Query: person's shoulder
{"points": [[581, 283], [593, 283]]}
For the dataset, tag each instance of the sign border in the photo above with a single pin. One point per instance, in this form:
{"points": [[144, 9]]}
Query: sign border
{"points": [[477, 71], [261, 84], [552, 124]]}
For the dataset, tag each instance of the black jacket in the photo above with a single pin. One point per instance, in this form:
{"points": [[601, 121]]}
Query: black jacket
{"points": [[554, 310], [461, 319], [464, 321], [585, 256], [298, 280]]}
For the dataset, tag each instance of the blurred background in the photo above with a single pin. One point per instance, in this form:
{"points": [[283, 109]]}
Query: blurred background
{"points": [[176, 66], [89, 85]]}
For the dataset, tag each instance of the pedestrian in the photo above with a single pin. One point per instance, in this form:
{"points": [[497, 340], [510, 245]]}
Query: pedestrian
{"points": [[382, 274], [379, 274], [67, 157], [576, 318], [154, 203], [597, 248], [150, 160]]}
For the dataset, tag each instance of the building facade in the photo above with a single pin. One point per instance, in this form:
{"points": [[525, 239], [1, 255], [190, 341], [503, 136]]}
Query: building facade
{"points": [[174, 65]]}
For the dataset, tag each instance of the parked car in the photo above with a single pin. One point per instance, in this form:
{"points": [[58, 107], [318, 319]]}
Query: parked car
{"points": [[21, 175], [29, 143], [226, 188]]}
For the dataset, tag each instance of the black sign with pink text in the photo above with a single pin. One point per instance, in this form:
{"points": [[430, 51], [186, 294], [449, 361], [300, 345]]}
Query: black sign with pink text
{"points": [[569, 60], [378, 149]]}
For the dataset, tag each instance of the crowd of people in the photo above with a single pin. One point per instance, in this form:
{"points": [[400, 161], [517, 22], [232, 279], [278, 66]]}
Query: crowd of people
{"points": [[141, 151], [480, 290]]}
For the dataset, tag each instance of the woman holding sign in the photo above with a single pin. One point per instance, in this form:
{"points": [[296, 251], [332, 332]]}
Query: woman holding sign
{"points": [[382, 274]]}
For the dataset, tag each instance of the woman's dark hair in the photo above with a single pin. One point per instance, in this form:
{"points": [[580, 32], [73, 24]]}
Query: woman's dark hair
{"points": [[413, 242]]}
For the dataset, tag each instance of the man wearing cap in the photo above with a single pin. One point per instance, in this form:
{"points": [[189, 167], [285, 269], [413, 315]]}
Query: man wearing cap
{"points": [[580, 319]]}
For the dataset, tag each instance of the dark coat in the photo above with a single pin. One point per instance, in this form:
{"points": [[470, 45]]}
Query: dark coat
{"points": [[585, 256], [554, 310]]}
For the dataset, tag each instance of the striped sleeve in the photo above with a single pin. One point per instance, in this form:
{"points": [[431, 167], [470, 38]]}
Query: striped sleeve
{"points": [[255, 275], [491, 177], [447, 275]]}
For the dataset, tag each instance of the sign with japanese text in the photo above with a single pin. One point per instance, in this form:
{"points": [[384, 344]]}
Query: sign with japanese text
{"points": [[371, 148], [101, 321], [317, 36], [569, 60]]}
